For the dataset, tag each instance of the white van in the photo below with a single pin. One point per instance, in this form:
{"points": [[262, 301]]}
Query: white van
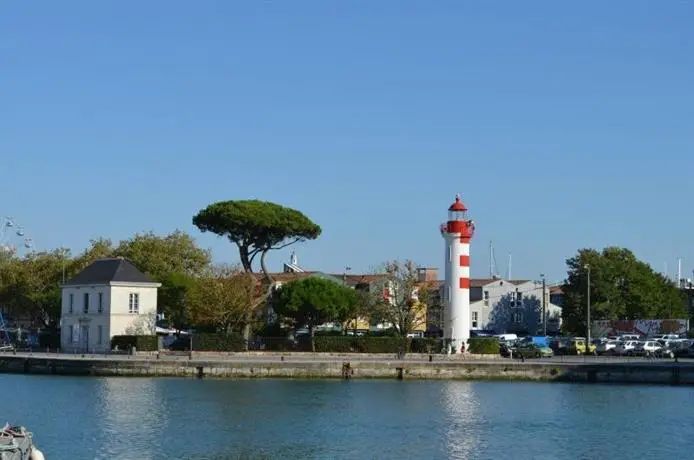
{"points": [[507, 337]]}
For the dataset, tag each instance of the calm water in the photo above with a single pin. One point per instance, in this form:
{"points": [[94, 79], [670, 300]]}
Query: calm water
{"points": [[121, 418]]}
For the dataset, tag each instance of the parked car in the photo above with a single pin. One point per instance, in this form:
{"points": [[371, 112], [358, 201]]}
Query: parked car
{"points": [[531, 350], [628, 337], [559, 345], [507, 349], [666, 337], [645, 348], [684, 351], [577, 346], [608, 347], [664, 352], [625, 347]]}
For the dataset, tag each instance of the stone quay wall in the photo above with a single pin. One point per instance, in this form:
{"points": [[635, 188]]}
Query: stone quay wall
{"points": [[381, 367]]}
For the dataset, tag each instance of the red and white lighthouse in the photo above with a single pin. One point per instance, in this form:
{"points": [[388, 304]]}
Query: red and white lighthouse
{"points": [[457, 232]]}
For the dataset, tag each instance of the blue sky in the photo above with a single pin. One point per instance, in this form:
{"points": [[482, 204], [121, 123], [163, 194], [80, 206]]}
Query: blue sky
{"points": [[562, 124]]}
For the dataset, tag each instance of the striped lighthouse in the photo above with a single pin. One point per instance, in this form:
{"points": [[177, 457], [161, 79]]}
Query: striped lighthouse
{"points": [[457, 232]]}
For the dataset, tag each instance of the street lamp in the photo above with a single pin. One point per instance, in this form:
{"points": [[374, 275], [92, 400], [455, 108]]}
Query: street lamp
{"points": [[544, 304], [587, 267]]}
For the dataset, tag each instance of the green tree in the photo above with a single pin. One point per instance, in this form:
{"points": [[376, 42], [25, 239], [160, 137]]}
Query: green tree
{"points": [[173, 299], [31, 286], [256, 228], [621, 287], [221, 298], [99, 248], [161, 256], [175, 260], [313, 301]]}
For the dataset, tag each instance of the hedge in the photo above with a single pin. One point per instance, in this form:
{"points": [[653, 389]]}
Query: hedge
{"points": [[140, 342], [323, 343], [426, 345], [217, 342], [346, 344], [483, 345]]}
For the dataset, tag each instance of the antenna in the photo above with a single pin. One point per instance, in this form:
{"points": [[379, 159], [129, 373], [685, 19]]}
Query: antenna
{"points": [[679, 271], [493, 267]]}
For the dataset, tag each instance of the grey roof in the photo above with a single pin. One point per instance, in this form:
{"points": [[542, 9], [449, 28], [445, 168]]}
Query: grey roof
{"points": [[104, 271]]}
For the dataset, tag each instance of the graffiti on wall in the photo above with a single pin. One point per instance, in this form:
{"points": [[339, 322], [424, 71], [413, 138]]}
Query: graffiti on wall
{"points": [[645, 327]]}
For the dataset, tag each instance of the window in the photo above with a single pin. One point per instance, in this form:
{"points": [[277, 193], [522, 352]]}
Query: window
{"points": [[99, 334], [486, 298], [100, 307], [71, 332], [450, 254], [134, 303], [72, 303], [85, 307], [518, 316], [474, 319]]}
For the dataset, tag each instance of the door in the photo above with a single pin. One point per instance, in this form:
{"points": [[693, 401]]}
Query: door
{"points": [[84, 335]]}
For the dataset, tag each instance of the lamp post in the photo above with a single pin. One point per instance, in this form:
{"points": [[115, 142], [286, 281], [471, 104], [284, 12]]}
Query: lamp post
{"points": [[544, 304], [64, 253], [587, 267]]}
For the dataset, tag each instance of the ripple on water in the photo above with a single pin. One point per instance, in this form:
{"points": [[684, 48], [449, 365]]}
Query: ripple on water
{"points": [[125, 418]]}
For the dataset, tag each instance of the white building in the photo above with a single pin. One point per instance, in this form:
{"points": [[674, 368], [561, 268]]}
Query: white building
{"points": [[512, 306], [110, 297]]}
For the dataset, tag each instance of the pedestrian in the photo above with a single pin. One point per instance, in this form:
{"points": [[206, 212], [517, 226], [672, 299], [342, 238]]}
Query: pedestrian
{"points": [[462, 348]]}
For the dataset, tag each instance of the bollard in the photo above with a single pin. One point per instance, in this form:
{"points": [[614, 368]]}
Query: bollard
{"points": [[347, 371]]}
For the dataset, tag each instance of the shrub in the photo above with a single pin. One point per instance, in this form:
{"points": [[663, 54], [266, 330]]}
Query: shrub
{"points": [[483, 345], [329, 344], [426, 345], [332, 333], [274, 344], [351, 344], [217, 342], [272, 330], [140, 342], [381, 344]]}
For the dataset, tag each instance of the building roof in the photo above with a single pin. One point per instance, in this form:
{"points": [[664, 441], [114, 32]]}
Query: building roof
{"points": [[105, 271], [350, 280], [556, 290], [355, 279]]}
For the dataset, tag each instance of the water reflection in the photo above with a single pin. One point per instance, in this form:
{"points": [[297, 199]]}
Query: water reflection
{"points": [[131, 416], [87, 418], [460, 404]]}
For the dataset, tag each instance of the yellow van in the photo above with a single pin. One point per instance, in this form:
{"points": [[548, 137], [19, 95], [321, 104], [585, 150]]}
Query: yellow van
{"points": [[578, 346]]}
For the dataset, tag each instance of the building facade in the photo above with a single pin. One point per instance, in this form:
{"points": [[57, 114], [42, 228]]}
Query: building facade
{"points": [[110, 297], [512, 306]]}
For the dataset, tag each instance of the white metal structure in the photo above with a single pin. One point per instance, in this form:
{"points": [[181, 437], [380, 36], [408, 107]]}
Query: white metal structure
{"points": [[12, 237]]}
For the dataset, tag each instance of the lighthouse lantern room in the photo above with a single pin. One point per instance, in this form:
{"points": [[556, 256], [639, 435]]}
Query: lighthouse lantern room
{"points": [[457, 233]]}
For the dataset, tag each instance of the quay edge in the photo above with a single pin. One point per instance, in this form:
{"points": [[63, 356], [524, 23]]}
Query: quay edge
{"points": [[340, 368]]}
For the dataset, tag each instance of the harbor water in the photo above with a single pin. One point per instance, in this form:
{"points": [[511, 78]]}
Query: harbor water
{"points": [[161, 418]]}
